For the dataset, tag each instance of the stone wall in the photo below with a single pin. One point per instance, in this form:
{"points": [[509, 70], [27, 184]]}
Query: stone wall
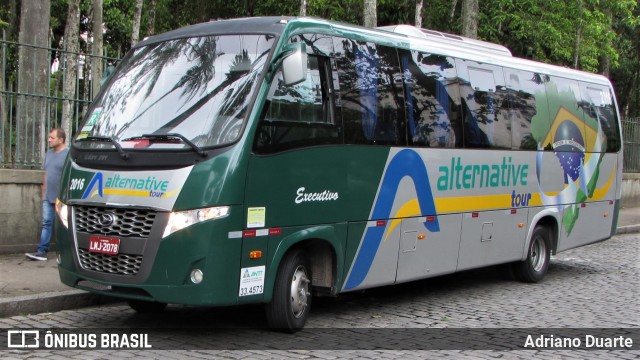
{"points": [[20, 210], [631, 190]]}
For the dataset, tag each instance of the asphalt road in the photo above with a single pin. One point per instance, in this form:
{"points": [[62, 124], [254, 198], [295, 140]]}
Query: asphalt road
{"points": [[590, 294]]}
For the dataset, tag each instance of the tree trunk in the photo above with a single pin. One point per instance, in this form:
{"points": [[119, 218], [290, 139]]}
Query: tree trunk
{"points": [[418, 21], [70, 65], [303, 8], [578, 43], [96, 59], [151, 20], [135, 32], [33, 71], [576, 54], [605, 62], [454, 3], [470, 9], [14, 19], [370, 13]]}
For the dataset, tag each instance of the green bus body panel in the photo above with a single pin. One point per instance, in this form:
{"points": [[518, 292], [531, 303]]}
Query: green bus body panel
{"points": [[217, 181], [312, 187], [345, 179]]}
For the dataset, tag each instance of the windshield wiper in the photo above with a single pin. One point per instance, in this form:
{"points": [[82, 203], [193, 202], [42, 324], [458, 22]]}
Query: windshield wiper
{"points": [[110, 139], [171, 136]]}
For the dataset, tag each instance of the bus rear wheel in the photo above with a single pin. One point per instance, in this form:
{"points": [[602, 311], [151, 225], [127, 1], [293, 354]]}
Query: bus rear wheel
{"points": [[291, 302], [534, 267], [146, 307]]}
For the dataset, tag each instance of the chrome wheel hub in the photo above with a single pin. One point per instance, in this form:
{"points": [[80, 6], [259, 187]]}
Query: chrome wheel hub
{"points": [[299, 291]]}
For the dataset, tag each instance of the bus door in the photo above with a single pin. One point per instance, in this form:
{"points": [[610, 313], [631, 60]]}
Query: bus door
{"points": [[423, 253]]}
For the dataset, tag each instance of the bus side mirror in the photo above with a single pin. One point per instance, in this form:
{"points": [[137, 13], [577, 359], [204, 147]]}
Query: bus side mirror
{"points": [[294, 63]]}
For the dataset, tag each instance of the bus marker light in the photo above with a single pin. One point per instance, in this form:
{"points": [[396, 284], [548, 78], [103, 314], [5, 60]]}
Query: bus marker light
{"points": [[475, 215], [606, 214], [583, 205], [255, 254], [421, 237], [275, 231], [381, 223], [249, 233], [196, 276], [514, 211], [431, 218], [520, 225]]}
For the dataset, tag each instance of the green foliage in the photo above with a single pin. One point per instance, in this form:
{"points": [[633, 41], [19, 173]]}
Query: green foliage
{"points": [[552, 31]]}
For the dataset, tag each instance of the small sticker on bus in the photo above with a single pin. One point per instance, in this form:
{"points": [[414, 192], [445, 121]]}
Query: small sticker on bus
{"points": [[251, 281], [92, 120], [256, 217]]}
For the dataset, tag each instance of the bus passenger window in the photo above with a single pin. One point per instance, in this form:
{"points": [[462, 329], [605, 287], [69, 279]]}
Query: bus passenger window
{"points": [[432, 99], [601, 111], [485, 107], [299, 115], [527, 107], [372, 100]]}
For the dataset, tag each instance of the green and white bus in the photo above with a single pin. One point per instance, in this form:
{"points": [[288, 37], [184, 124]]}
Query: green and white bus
{"points": [[271, 160]]}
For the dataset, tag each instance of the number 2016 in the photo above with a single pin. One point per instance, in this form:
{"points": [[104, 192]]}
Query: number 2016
{"points": [[76, 184]]}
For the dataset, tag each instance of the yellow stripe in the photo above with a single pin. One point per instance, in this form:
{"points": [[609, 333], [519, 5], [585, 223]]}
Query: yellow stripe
{"points": [[601, 192], [126, 192], [478, 203], [170, 193], [409, 209], [473, 203]]}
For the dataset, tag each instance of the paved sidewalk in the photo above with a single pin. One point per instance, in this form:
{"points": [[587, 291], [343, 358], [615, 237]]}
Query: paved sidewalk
{"points": [[31, 287]]}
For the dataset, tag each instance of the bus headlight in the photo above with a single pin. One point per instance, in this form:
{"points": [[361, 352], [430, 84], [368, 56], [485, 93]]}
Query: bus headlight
{"points": [[62, 211], [182, 219]]}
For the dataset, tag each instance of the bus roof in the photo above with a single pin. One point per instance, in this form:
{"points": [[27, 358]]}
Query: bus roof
{"points": [[402, 36]]}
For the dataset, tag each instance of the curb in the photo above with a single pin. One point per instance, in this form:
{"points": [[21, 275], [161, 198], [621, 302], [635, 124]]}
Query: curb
{"points": [[51, 302], [628, 229]]}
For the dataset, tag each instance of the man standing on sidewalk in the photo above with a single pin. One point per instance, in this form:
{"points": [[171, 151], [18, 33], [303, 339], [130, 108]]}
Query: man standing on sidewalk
{"points": [[53, 163]]}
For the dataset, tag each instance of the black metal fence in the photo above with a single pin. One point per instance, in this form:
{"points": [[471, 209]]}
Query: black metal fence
{"points": [[631, 137], [26, 116]]}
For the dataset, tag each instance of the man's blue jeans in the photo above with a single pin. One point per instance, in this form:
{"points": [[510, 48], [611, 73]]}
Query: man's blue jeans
{"points": [[48, 212]]}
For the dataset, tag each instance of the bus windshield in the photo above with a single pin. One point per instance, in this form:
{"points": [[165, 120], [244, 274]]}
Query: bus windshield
{"points": [[198, 88]]}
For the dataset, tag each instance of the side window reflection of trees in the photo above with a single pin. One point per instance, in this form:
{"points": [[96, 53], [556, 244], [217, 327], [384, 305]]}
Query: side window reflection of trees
{"points": [[432, 99], [371, 93]]}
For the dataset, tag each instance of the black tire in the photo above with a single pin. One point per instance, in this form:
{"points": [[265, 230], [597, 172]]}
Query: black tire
{"points": [[534, 267], [291, 302], [146, 307]]}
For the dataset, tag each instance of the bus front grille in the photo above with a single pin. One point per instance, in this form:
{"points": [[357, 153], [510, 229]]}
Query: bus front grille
{"points": [[112, 221], [121, 264]]}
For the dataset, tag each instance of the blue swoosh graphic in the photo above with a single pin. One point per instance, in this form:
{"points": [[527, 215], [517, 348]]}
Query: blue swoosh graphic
{"points": [[405, 163], [97, 177]]}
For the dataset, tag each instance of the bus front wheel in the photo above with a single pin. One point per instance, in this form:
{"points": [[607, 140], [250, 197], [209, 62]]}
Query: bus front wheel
{"points": [[534, 267], [291, 300]]}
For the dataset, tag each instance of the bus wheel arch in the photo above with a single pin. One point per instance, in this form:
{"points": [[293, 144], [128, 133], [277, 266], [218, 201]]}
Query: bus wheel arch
{"points": [[551, 224], [542, 243]]}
